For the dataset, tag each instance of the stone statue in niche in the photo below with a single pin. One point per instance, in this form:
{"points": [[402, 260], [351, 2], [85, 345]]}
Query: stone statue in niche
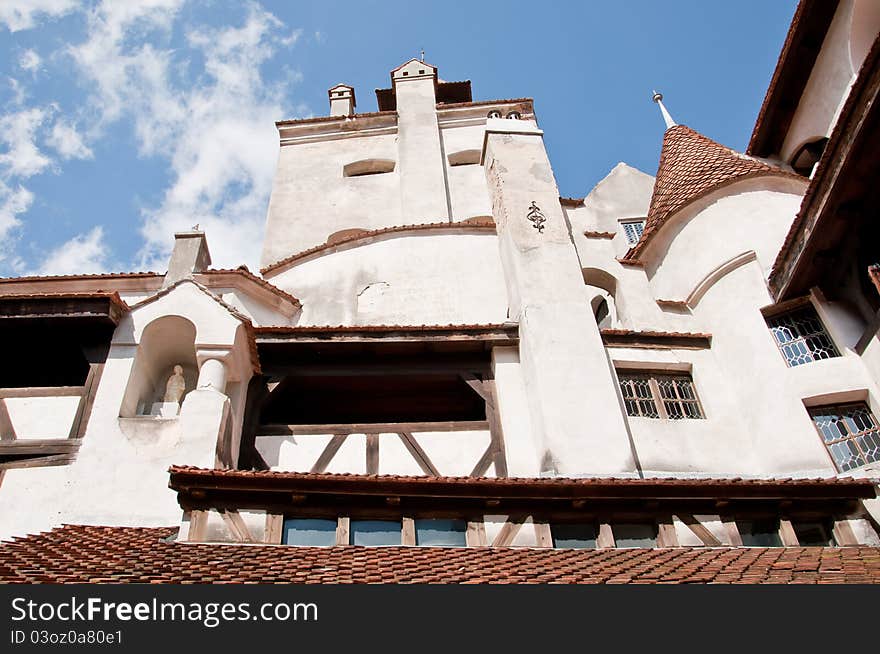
{"points": [[176, 386]]}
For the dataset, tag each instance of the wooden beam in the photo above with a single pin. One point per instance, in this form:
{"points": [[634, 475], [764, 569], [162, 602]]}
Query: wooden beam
{"points": [[605, 539], [732, 531], [342, 530], [543, 537], [87, 401], [843, 533], [372, 428], [476, 534], [496, 434], [43, 391], [329, 452], [408, 535], [509, 531], [39, 446], [372, 454], [787, 534], [39, 461], [236, 525], [198, 524], [274, 528], [419, 454], [7, 429], [479, 387], [666, 536], [699, 529], [484, 462]]}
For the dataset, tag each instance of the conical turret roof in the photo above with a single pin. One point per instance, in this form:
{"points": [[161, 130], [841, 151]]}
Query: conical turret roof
{"points": [[692, 165]]}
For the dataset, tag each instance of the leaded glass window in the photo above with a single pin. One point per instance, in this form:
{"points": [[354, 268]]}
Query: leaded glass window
{"points": [[850, 432], [668, 396], [633, 230], [801, 336]]}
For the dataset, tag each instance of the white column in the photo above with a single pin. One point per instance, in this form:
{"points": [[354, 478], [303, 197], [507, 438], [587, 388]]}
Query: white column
{"points": [[575, 413], [212, 374]]}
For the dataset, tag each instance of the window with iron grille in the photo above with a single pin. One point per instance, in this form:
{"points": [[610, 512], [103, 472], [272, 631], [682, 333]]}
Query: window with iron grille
{"points": [[633, 230], [850, 432], [801, 336], [659, 395]]}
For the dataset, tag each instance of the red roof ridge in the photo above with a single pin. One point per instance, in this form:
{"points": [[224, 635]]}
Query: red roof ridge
{"points": [[330, 119], [37, 278], [247, 274], [470, 223], [691, 166], [283, 329]]}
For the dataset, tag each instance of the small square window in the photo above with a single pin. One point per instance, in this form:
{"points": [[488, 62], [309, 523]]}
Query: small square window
{"points": [[574, 535], [633, 230], [441, 533], [374, 533], [759, 533], [659, 395], [801, 337], [850, 433], [309, 532]]}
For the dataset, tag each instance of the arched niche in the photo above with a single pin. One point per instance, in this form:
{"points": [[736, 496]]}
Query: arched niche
{"points": [[864, 28], [807, 155], [602, 289], [166, 342]]}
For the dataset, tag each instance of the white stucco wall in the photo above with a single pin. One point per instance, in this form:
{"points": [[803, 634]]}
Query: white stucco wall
{"points": [[416, 278]]}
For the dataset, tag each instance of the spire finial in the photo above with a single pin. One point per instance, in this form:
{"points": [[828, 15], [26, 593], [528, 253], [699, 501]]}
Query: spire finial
{"points": [[658, 98], [423, 55]]}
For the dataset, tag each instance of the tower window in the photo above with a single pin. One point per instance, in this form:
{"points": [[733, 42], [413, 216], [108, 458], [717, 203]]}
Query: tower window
{"points": [[494, 114], [633, 230], [653, 395], [801, 336], [850, 432]]}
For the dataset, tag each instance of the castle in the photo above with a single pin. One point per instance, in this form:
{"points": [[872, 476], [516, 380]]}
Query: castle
{"points": [[441, 352]]}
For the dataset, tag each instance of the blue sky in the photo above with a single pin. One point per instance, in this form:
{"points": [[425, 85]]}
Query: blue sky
{"points": [[122, 122]]}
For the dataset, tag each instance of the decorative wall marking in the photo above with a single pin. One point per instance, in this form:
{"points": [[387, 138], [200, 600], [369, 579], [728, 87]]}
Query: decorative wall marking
{"points": [[536, 217]]}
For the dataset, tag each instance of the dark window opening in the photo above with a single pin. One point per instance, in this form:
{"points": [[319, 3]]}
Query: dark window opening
{"points": [[332, 399], [807, 156], [441, 532], [634, 534], [309, 532], [759, 533], [38, 356], [375, 533], [603, 317], [814, 534], [574, 536]]}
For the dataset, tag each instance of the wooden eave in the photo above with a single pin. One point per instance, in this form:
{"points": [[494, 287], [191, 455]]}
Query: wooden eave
{"points": [[802, 45], [841, 193], [105, 308], [655, 339]]}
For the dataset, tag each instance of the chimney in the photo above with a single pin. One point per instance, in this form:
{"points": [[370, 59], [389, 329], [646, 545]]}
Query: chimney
{"points": [[190, 255], [342, 102]]}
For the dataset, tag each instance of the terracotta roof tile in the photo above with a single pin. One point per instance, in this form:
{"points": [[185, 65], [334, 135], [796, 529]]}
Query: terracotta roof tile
{"points": [[692, 165], [117, 275], [247, 274], [87, 554], [317, 329]]}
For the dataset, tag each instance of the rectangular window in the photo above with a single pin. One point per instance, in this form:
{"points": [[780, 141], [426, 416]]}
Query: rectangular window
{"points": [[574, 536], [309, 532], [759, 533], [373, 533], [634, 534], [801, 337], [441, 533], [658, 395], [633, 229], [850, 432]]}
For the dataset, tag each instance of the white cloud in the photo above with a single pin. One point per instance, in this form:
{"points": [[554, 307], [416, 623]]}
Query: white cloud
{"points": [[12, 202], [22, 157], [22, 14], [83, 254], [215, 129], [68, 142], [30, 61]]}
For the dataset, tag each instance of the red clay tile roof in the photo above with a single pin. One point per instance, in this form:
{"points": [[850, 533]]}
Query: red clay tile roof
{"points": [[317, 329], [118, 275], [247, 274], [81, 554], [334, 241], [692, 165], [183, 477], [330, 119], [647, 338]]}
